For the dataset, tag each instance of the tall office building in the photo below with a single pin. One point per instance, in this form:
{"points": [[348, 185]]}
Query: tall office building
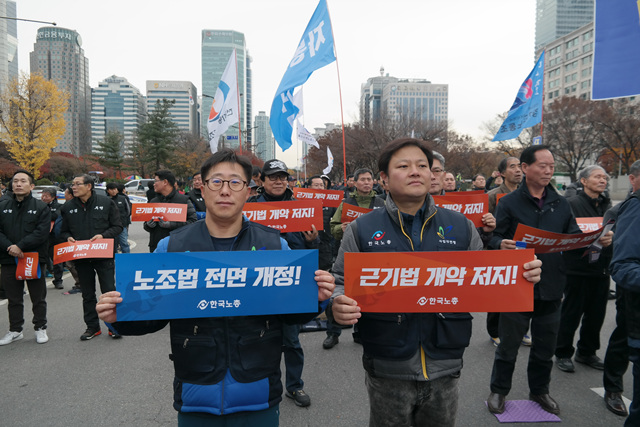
{"points": [[8, 43], [265, 144], [557, 18], [116, 105], [217, 47], [58, 55], [184, 111], [402, 99]]}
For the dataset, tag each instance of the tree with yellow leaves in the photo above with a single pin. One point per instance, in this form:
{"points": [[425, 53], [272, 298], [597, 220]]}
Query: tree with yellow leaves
{"points": [[31, 119]]}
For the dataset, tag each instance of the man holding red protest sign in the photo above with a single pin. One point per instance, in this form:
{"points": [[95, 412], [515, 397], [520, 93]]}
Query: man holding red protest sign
{"points": [[91, 216], [227, 369], [413, 359], [275, 176], [537, 204], [24, 227]]}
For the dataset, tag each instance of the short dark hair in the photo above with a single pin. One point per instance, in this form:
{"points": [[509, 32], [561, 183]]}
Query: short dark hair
{"points": [[87, 179], [256, 171], [310, 180], [390, 149], [361, 171], [150, 185], [166, 174], [196, 174], [112, 186], [120, 187], [476, 176], [32, 180], [502, 166], [227, 155], [528, 155], [349, 176]]}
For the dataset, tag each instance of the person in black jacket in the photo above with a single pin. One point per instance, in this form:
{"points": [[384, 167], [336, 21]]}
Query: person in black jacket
{"points": [[124, 208], [195, 195], [24, 227], [585, 296], [275, 175], [536, 204], [91, 216], [230, 373], [166, 192], [49, 196]]}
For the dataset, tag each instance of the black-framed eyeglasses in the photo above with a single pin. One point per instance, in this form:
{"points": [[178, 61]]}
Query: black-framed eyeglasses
{"points": [[275, 177], [216, 184]]}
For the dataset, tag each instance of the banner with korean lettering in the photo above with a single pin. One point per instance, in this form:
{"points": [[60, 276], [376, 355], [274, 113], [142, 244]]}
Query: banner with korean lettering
{"points": [[216, 284], [439, 282], [329, 198], [472, 206], [28, 267], [155, 211], [99, 248], [352, 212], [293, 215], [545, 242], [588, 224]]}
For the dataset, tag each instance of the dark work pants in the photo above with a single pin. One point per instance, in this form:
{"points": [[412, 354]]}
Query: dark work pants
{"points": [[633, 420], [87, 270], [14, 289], [56, 269], [584, 298], [293, 357], [493, 324], [616, 359], [545, 319]]}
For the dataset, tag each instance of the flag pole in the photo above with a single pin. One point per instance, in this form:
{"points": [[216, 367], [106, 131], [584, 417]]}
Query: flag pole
{"points": [[544, 69], [235, 56], [344, 152]]}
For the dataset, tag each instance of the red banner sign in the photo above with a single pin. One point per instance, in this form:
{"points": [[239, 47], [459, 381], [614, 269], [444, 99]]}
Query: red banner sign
{"points": [[329, 198], [294, 215], [439, 282], [589, 224], [155, 211], [351, 212], [545, 242], [472, 206], [80, 249], [28, 267]]}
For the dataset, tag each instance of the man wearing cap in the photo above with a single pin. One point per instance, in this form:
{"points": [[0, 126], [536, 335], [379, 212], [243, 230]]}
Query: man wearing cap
{"points": [[275, 176]]}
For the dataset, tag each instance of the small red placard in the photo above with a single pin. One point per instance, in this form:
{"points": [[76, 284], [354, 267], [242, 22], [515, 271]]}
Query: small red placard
{"points": [[289, 216], [80, 249], [329, 198], [155, 211], [472, 206], [351, 212], [587, 224], [545, 242]]}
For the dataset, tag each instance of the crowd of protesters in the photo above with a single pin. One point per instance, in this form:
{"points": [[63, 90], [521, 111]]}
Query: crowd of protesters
{"points": [[569, 291]]}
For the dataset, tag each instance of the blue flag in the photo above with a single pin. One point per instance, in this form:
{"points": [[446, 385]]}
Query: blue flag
{"points": [[526, 110], [314, 51], [616, 56]]}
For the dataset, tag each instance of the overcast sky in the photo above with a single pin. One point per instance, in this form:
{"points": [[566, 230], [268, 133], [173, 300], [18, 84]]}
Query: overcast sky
{"points": [[482, 49]]}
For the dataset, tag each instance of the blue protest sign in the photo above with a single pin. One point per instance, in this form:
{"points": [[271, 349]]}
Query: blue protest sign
{"points": [[181, 285]]}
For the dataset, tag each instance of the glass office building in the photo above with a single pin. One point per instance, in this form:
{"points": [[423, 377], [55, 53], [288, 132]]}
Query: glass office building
{"points": [[557, 18], [184, 111]]}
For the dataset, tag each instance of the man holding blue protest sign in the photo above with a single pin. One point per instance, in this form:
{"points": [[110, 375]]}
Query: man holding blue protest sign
{"points": [[227, 369]]}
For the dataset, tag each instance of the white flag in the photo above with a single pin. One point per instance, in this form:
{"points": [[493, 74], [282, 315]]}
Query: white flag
{"points": [[224, 110], [305, 136], [326, 170]]}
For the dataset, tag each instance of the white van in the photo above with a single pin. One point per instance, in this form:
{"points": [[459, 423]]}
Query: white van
{"points": [[138, 186]]}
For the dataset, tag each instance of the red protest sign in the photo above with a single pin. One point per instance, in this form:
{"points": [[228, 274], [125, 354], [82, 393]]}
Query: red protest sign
{"points": [[472, 206], [589, 224], [293, 215], [154, 211], [351, 212], [28, 267], [329, 198], [80, 249], [464, 193], [545, 242], [439, 282], [500, 196]]}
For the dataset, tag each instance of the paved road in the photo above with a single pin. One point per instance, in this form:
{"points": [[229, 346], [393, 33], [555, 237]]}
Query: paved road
{"points": [[127, 382]]}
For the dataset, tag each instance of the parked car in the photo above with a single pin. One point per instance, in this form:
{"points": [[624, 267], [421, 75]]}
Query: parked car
{"points": [[37, 191], [138, 186]]}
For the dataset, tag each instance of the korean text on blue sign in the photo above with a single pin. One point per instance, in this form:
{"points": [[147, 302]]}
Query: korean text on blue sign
{"points": [[215, 284]]}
